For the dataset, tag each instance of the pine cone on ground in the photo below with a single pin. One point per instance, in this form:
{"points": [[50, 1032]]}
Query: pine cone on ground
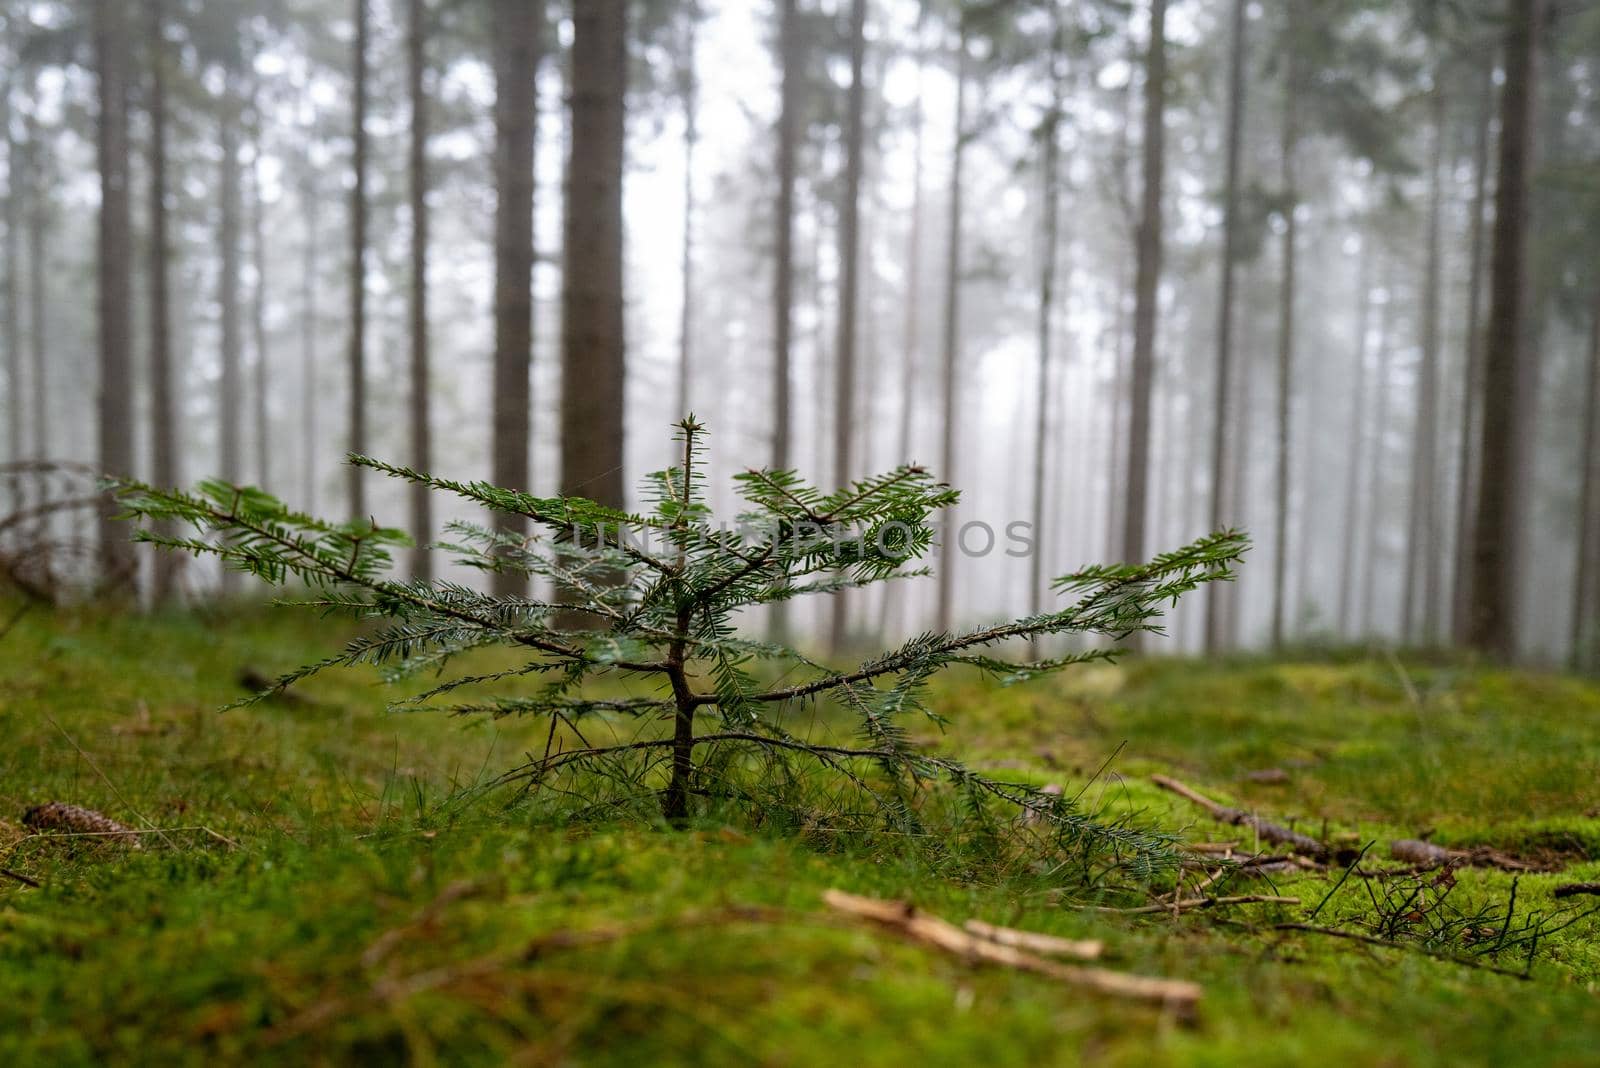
{"points": [[74, 819]]}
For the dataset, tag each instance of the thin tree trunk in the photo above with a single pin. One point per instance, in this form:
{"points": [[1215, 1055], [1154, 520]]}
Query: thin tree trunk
{"points": [[783, 301], [421, 425], [689, 93], [358, 268], [1375, 469], [1583, 593], [1357, 439], [1286, 294], [1049, 180], [1230, 241], [262, 420], [844, 411], [13, 290], [165, 455], [592, 399], [1146, 289], [309, 311], [949, 378], [1420, 611], [791, 57], [1472, 387], [115, 280], [1492, 616], [516, 61], [230, 408], [38, 289]]}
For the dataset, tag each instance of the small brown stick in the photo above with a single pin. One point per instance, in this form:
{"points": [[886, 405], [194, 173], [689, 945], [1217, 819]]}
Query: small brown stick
{"points": [[1035, 942], [1224, 848], [1179, 995], [1269, 832], [1427, 855], [1202, 903], [23, 879], [1574, 889]]}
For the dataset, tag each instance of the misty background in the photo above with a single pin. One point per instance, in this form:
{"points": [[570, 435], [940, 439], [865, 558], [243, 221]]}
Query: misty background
{"points": [[1361, 238]]}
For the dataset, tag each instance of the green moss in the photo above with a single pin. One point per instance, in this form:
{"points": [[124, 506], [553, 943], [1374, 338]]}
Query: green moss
{"points": [[338, 930]]}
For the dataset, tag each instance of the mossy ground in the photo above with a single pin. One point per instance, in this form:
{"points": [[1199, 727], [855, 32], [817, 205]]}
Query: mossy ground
{"points": [[375, 910]]}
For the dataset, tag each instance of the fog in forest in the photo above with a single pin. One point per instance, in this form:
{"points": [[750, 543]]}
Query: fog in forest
{"points": [[1326, 271]]}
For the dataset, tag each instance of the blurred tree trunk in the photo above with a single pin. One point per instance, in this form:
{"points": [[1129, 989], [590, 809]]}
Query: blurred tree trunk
{"points": [[592, 342], [1491, 615], [231, 401], [358, 266], [952, 333], [516, 62], [1472, 387], [164, 428], [791, 56], [689, 97], [115, 279], [1146, 288], [844, 411], [1288, 140], [420, 424], [38, 198], [260, 388], [1215, 623], [15, 410], [1423, 575], [1356, 437], [1050, 196], [1585, 602], [1375, 469], [309, 201]]}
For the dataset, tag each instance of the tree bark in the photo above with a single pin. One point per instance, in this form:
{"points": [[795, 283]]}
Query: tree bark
{"points": [[592, 341], [420, 425], [164, 429], [1376, 466], [1215, 624], [358, 268], [1286, 307], [309, 330], [1146, 288], [789, 121], [1492, 616], [949, 377], [844, 411], [115, 277], [516, 62]]}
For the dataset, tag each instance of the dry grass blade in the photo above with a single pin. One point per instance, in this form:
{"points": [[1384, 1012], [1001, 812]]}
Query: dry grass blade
{"points": [[1180, 996]]}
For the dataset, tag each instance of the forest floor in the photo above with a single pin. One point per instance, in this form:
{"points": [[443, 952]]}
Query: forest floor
{"points": [[328, 888]]}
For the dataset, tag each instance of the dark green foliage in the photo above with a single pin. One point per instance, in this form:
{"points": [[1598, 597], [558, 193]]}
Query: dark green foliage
{"points": [[655, 596]]}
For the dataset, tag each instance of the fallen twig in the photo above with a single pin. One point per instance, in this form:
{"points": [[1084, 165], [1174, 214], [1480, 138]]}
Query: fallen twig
{"points": [[1179, 995], [1269, 832], [1426, 855], [1202, 903], [23, 879], [1034, 942], [1574, 889]]}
